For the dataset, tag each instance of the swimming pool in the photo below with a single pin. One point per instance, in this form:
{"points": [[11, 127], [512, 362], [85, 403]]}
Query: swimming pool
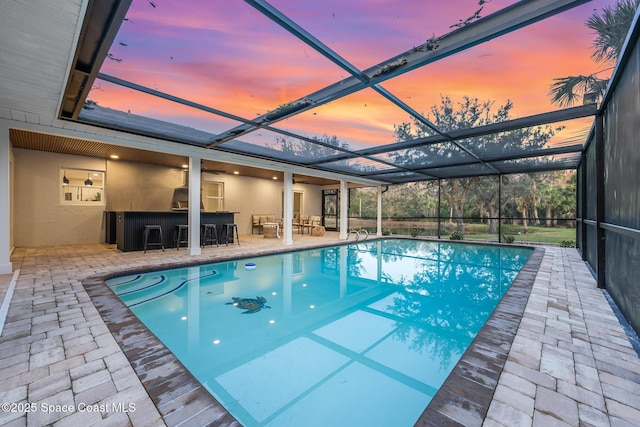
{"points": [[349, 329]]}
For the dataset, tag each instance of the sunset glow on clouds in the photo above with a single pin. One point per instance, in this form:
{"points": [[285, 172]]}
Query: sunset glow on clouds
{"points": [[227, 56]]}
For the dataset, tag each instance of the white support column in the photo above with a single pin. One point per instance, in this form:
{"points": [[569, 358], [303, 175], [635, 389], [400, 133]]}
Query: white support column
{"points": [[379, 214], [344, 209], [194, 205], [287, 221], [5, 202]]}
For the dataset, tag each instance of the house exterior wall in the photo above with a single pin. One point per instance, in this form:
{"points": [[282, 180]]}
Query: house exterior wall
{"points": [[40, 218], [250, 196], [140, 187]]}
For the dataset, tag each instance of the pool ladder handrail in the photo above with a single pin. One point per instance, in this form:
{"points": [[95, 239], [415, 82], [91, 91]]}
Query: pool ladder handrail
{"points": [[357, 233]]}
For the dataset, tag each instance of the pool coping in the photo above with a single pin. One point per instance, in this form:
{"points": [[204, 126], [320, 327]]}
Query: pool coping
{"points": [[463, 399]]}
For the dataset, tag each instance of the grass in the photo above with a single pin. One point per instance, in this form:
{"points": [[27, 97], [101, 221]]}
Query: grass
{"points": [[534, 234], [551, 235], [555, 235]]}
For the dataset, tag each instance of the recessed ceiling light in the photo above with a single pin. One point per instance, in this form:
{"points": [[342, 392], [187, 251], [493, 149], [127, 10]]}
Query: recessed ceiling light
{"points": [[275, 177], [236, 173], [185, 166], [114, 156]]}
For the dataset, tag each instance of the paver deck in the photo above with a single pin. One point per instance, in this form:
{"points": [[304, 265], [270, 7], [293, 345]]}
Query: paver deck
{"points": [[570, 363]]}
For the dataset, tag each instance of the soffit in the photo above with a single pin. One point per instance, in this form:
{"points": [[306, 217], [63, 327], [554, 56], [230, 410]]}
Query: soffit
{"points": [[81, 147]]}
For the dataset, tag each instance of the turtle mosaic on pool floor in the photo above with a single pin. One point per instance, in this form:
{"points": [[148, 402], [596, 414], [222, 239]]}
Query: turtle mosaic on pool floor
{"points": [[252, 305]]}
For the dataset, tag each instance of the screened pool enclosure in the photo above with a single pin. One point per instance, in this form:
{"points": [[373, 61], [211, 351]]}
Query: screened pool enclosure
{"points": [[387, 94], [427, 91]]}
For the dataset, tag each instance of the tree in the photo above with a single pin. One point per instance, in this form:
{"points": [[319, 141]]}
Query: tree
{"points": [[557, 196], [486, 195], [456, 192], [611, 27], [307, 149], [411, 200], [363, 202], [449, 116]]}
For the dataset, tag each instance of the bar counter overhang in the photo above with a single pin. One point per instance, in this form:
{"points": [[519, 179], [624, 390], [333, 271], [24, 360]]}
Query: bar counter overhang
{"points": [[130, 225]]}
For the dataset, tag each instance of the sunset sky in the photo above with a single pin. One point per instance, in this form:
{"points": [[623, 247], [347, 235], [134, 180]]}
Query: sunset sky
{"points": [[228, 56]]}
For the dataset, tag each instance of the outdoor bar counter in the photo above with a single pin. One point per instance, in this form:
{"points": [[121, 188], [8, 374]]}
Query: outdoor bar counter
{"points": [[130, 225]]}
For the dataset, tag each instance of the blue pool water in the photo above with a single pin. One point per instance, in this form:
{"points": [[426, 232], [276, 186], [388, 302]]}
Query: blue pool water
{"points": [[359, 334]]}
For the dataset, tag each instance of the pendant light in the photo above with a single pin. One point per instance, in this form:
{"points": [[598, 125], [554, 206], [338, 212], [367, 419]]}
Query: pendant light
{"points": [[65, 180], [88, 180]]}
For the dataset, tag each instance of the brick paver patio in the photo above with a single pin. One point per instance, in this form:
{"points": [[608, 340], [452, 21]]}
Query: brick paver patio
{"points": [[571, 362]]}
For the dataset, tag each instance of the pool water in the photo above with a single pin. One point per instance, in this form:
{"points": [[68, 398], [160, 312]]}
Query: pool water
{"points": [[358, 334]]}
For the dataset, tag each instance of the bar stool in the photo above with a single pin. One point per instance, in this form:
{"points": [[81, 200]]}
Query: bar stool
{"points": [[227, 230], [181, 235], [155, 233], [208, 234]]}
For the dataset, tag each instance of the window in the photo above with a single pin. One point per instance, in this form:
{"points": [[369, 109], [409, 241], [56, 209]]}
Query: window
{"points": [[81, 187], [213, 196]]}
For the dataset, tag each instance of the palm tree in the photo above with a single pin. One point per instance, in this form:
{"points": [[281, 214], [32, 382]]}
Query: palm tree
{"points": [[611, 27], [568, 91]]}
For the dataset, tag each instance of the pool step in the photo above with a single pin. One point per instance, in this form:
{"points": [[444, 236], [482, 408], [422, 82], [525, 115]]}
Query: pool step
{"points": [[142, 288]]}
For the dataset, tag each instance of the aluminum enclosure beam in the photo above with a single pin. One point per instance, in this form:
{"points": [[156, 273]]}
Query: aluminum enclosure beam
{"points": [[535, 120], [502, 22]]}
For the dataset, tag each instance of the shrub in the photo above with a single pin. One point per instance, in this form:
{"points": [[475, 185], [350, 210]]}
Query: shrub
{"points": [[456, 235], [508, 238], [568, 244]]}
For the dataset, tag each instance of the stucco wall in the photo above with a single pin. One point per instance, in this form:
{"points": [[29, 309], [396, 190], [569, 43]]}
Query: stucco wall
{"points": [[140, 187], [250, 196], [40, 219]]}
